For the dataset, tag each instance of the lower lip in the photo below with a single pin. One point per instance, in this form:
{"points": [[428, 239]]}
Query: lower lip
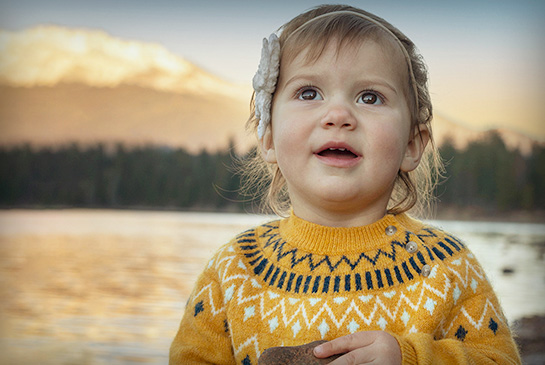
{"points": [[339, 162]]}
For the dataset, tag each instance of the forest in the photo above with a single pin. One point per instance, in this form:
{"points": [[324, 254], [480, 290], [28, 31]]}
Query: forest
{"points": [[485, 175]]}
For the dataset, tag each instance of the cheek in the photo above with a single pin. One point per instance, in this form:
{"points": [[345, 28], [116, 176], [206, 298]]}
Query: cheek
{"points": [[389, 142], [291, 145], [286, 144], [290, 130]]}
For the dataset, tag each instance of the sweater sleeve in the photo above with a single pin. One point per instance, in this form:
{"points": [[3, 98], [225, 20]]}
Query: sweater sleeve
{"points": [[474, 332], [203, 336]]}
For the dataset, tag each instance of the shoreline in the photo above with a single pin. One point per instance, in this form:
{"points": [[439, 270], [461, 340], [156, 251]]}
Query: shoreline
{"points": [[465, 214], [477, 214]]}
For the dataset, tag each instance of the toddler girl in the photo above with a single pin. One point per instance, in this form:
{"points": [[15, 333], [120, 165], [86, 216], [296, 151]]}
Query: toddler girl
{"points": [[342, 114]]}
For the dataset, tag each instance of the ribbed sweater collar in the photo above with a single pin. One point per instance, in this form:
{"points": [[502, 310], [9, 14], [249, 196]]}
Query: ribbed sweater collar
{"points": [[324, 240]]}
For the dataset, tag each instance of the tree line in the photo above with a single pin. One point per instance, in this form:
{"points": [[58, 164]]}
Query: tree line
{"points": [[484, 174], [488, 175]]}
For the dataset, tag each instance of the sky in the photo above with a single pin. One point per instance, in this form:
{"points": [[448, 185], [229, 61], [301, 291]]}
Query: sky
{"points": [[485, 58]]}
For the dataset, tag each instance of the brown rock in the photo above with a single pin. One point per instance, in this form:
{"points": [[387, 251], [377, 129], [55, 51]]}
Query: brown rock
{"points": [[529, 333], [288, 355]]}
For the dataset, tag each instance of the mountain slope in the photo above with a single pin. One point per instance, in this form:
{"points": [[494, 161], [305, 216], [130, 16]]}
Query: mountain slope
{"points": [[130, 114], [60, 85], [461, 135]]}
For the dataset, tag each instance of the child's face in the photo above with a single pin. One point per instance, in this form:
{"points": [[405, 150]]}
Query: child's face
{"points": [[341, 132]]}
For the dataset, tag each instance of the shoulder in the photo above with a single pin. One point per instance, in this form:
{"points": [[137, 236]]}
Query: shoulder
{"points": [[241, 246], [445, 252], [438, 244], [451, 257]]}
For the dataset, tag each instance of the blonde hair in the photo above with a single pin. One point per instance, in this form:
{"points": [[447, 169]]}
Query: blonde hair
{"points": [[312, 31]]}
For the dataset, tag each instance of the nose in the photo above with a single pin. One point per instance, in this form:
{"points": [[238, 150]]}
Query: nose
{"points": [[339, 116]]}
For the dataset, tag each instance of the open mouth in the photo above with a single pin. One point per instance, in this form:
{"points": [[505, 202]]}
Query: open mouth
{"points": [[341, 153]]}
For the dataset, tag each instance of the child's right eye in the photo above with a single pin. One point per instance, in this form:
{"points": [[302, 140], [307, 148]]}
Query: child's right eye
{"points": [[309, 94]]}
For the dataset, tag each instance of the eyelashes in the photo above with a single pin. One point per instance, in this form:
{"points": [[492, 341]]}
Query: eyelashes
{"points": [[309, 92], [371, 97]]}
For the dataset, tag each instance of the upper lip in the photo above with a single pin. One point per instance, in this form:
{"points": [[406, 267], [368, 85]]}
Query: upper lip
{"points": [[337, 146]]}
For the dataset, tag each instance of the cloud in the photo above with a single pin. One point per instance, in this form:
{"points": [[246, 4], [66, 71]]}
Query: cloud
{"points": [[49, 55]]}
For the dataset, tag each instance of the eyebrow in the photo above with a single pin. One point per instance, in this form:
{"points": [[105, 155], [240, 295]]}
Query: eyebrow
{"points": [[301, 76]]}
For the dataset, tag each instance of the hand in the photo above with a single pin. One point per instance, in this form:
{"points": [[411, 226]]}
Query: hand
{"points": [[376, 347]]}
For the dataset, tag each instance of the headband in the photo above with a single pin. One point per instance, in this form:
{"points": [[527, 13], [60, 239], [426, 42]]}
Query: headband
{"points": [[264, 81]]}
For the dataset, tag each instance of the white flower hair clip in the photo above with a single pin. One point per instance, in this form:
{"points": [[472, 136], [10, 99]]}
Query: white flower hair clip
{"points": [[264, 82]]}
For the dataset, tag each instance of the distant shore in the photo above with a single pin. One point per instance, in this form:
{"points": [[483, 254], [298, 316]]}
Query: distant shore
{"points": [[440, 213], [476, 214]]}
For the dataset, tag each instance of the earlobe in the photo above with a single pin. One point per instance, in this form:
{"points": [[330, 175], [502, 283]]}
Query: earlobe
{"points": [[266, 144], [415, 148]]}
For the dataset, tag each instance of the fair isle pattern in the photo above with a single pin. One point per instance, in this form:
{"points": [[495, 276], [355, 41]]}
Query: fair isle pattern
{"points": [[289, 280], [267, 293], [346, 314], [272, 238], [468, 279]]}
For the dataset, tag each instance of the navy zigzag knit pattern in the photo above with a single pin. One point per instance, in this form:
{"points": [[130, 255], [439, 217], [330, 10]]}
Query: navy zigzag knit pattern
{"points": [[287, 279]]}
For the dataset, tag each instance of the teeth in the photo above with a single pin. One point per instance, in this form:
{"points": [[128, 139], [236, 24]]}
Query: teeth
{"points": [[337, 149]]}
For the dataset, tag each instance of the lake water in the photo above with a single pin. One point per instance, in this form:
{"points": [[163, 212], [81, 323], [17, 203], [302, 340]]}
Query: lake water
{"points": [[109, 287]]}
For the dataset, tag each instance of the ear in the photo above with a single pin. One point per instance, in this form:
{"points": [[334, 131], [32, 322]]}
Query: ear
{"points": [[415, 148], [266, 144]]}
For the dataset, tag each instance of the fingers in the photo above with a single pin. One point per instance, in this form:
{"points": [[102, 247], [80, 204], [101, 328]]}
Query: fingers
{"points": [[345, 344], [361, 348], [358, 356]]}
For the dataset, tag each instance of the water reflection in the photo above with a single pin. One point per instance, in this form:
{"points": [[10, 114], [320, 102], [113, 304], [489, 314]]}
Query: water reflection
{"points": [[109, 287], [512, 255]]}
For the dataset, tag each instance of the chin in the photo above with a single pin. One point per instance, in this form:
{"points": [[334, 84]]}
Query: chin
{"points": [[341, 200]]}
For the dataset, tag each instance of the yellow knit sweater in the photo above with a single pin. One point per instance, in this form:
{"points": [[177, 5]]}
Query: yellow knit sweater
{"points": [[291, 282]]}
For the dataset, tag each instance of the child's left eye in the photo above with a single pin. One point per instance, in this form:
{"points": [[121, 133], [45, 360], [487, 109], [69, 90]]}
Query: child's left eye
{"points": [[370, 98]]}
